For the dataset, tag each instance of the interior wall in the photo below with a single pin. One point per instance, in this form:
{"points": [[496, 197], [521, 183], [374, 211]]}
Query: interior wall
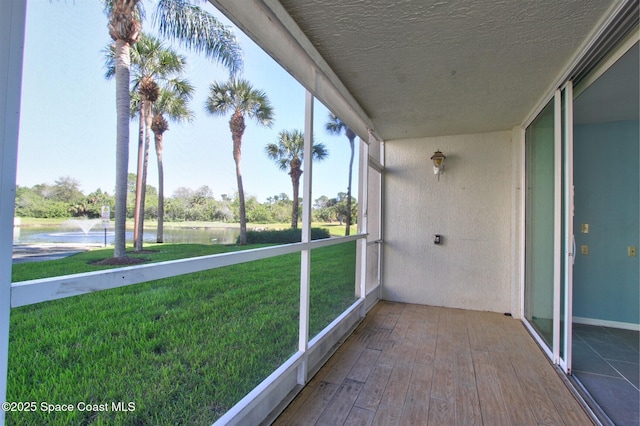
{"points": [[470, 206], [606, 163]]}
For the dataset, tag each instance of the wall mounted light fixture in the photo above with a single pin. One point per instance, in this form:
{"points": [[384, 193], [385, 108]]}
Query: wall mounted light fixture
{"points": [[438, 163]]}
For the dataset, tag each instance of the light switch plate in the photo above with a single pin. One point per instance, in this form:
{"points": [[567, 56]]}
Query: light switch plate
{"points": [[632, 251], [585, 228]]}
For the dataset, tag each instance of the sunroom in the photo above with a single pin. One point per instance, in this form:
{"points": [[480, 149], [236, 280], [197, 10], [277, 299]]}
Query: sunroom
{"points": [[532, 216]]}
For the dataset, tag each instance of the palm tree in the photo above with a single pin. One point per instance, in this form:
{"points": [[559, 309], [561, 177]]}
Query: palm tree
{"points": [[172, 103], [124, 28], [177, 19], [152, 62], [149, 92], [335, 126], [239, 98], [288, 153]]}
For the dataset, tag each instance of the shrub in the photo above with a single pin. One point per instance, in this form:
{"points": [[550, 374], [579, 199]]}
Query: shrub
{"points": [[284, 236]]}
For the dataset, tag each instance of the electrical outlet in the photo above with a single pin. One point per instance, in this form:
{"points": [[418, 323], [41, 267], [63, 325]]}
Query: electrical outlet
{"points": [[584, 249], [632, 251], [585, 228]]}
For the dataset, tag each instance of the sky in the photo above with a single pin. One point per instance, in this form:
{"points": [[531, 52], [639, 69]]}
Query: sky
{"points": [[68, 116]]}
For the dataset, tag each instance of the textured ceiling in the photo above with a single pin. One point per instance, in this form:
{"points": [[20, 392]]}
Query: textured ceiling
{"points": [[429, 68]]}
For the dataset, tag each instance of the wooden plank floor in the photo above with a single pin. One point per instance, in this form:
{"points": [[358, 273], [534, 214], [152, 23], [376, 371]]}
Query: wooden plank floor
{"points": [[422, 365]]}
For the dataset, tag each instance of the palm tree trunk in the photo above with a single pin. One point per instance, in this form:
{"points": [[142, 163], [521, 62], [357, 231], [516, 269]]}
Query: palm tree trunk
{"points": [[237, 126], [136, 213], [295, 181], [243, 212], [123, 64], [145, 167], [347, 231], [160, 231]]}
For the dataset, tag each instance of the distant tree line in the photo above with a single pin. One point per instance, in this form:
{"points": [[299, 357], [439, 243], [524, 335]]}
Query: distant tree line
{"points": [[64, 199]]}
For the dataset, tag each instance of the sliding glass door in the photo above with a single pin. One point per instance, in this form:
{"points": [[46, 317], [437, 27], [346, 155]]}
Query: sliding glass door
{"points": [[540, 223], [549, 226]]}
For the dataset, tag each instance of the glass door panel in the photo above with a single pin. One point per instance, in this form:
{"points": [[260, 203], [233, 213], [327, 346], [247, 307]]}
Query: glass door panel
{"points": [[568, 245], [549, 247], [540, 223]]}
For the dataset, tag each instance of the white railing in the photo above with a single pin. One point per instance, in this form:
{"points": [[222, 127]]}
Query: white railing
{"points": [[41, 290], [276, 390]]}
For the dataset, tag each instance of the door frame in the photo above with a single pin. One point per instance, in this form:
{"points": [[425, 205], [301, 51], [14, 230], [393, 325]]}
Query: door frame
{"points": [[560, 351], [568, 255]]}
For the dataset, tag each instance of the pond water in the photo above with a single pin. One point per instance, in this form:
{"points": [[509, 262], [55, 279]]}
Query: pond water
{"points": [[66, 234]]}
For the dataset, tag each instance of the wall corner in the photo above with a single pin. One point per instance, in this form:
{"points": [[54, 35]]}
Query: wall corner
{"points": [[517, 221]]}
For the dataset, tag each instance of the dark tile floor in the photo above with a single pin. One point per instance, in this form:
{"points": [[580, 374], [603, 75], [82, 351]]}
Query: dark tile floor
{"points": [[605, 361]]}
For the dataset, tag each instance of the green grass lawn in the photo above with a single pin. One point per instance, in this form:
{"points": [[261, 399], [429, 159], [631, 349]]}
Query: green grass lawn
{"points": [[183, 350]]}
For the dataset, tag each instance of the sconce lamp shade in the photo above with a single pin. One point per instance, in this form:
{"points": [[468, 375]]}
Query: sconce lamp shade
{"points": [[438, 158], [438, 162]]}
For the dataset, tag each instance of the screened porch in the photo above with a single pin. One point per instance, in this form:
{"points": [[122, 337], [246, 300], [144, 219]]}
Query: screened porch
{"points": [[436, 325]]}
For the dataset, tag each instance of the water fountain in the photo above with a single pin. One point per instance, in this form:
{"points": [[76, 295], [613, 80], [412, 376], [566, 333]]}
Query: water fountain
{"points": [[84, 224], [72, 231], [90, 231], [85, 235]]}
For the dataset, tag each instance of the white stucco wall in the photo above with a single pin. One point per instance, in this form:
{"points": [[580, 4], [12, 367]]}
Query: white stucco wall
{"points": [[472, 206]]}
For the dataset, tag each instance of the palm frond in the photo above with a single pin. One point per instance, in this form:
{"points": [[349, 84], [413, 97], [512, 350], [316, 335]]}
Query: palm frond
{"points": [[220, 100], [199, 31], [109, 52], [174, 105], [275, 153], [334, 126], [136, 102], [320, 152], [150, 56], [238, 94], [181, 87], [290, 146]]}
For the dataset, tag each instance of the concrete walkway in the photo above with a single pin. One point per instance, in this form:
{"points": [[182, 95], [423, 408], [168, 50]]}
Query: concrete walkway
{"points": [[40, 252]]}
